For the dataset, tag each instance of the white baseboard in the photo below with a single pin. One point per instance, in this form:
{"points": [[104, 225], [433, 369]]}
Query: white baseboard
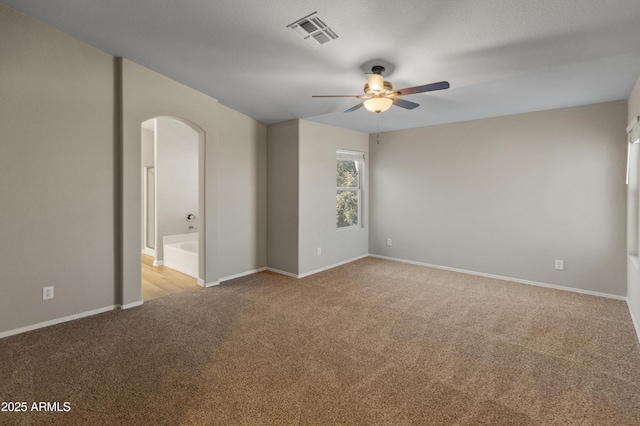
{"points": [[315, 271], [278, 271], [149, 251], [498, 277], [158, 263], [132, 304], [57, 321], [636, 324], [201, 283], [242, 274]]}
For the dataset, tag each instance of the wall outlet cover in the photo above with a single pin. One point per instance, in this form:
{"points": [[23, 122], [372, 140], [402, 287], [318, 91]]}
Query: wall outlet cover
{"points": [[47, 293]]}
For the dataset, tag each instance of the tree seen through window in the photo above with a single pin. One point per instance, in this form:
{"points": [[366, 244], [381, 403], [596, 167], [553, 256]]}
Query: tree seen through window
{"points": [[347, 193]]}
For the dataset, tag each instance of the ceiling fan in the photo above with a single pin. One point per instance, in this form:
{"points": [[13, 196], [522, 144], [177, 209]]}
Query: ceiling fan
{"points": [[379, 94]]}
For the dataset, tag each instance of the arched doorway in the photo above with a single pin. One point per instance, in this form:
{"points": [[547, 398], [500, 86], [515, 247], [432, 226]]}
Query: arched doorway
{"points": [[172, 167]]}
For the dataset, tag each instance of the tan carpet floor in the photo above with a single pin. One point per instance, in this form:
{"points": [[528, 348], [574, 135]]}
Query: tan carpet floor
{"points": [[372, 342]]}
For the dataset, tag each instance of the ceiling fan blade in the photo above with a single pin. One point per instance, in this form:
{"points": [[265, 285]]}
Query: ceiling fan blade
{"points": [[424, 88], [335, 96], [353, 108], [405, 104]]}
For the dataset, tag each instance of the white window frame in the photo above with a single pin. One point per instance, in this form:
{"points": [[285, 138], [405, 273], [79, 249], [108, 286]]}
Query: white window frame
{"points": [[358, 158], [633, 191]]}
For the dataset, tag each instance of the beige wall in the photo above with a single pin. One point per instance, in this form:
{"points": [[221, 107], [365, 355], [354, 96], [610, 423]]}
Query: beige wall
{"points": [[234, 161], [147, 94], [56, 174], [507, 196], [302, 197], [317, 206], [71, 192], [242, 194], [282, 196]]}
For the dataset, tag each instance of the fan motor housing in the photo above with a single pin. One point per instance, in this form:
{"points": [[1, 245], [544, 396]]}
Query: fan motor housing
{"points": [[377, 69]]}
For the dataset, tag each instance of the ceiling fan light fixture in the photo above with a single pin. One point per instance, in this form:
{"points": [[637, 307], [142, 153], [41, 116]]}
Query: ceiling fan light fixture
{"points": [[376, 83], [378, 104], [379, 94]]}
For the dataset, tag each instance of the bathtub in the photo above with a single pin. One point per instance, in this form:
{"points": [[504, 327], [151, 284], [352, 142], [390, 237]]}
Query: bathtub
{"points": [[181, 253]]}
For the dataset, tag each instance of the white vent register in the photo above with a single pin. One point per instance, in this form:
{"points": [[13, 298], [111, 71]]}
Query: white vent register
{"points": [[313, 30]]}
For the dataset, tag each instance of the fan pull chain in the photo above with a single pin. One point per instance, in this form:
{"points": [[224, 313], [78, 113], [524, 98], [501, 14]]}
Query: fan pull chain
{"points": [[378, 128]]}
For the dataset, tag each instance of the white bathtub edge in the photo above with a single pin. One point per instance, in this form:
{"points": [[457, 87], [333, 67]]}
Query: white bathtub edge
{"points": [[179, 238], [179, 268]]}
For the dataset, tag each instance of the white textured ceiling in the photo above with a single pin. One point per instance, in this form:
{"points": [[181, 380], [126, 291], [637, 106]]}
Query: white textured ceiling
{"points": [[500, 56]]}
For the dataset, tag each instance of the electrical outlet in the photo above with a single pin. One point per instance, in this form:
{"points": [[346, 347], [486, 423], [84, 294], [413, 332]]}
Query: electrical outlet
{"points": [[559, 265], [389, 242], [319, 251], [47, 293]]}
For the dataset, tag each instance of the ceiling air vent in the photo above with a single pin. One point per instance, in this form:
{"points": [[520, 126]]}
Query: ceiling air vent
{"points": [[313, 30]]}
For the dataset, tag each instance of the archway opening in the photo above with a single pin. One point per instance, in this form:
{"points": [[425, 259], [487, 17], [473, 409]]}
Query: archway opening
{"points": [[172, 206]]}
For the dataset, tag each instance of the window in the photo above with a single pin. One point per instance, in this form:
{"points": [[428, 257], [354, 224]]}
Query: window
{"points": [[633, 191], [349, 170]]}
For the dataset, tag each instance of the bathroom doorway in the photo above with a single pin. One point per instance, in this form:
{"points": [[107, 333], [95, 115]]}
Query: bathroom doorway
{"points": [[172, 178]]}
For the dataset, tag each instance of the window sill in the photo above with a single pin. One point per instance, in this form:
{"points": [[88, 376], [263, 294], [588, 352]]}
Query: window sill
{"points": [[346, 228]]}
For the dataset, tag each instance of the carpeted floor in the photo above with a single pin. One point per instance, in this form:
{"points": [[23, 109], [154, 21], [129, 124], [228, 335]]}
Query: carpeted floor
{"points": [[371, 342]]}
